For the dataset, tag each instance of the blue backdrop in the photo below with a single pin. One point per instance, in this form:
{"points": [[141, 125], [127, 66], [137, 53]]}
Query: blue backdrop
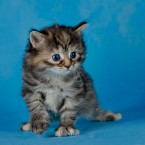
{"points": [[115, 39]]}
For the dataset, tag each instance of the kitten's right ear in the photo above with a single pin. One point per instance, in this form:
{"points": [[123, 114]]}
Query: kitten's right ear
{"points": [[37, 39], [80, 27]]}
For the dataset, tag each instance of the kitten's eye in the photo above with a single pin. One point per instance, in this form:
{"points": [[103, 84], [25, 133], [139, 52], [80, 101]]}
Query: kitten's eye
{"points": [[56, 57], [73, 55]]}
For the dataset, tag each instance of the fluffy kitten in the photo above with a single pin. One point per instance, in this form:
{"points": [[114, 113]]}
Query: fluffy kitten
{"points": [[54, 80]]}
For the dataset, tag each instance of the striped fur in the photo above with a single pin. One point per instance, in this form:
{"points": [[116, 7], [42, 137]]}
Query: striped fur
{"points": [[50, 86]]}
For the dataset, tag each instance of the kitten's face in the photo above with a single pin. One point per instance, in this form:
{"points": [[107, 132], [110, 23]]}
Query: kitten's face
{"points": [[63, 61], [58, 49]]}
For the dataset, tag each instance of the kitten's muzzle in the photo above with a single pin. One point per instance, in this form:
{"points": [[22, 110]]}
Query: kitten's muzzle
{"points": [[67, 66]]}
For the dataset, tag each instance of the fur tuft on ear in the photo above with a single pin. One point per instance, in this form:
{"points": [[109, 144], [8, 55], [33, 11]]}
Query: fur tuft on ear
{"points": [[37, 39], [80, 27]]}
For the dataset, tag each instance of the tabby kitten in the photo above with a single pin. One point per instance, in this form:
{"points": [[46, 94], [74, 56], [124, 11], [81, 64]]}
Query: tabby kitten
{"points": [[54, 80]]}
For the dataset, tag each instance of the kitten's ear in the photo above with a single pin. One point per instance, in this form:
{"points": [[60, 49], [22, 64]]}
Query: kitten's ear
{"points": [[37, 39], [80, 27]]}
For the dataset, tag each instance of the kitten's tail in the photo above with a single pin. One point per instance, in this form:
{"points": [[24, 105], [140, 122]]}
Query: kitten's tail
{"points": [[105, 115]]}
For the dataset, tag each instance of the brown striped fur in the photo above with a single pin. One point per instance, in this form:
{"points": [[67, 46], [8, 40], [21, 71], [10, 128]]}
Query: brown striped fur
{"points": [[60, 86]]}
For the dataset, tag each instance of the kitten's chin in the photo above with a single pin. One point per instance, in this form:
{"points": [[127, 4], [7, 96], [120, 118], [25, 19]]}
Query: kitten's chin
{"points": [[62, 72]]}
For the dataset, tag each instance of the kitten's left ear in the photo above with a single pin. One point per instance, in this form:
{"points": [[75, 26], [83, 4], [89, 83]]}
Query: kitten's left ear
{"points": [[80, 27]]}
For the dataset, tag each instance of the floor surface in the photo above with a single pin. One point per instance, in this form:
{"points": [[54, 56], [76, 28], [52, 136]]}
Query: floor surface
{"points": [[128, 131]]}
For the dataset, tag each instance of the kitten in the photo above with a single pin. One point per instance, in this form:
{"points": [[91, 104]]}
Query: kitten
{"points": [[54, 80]]}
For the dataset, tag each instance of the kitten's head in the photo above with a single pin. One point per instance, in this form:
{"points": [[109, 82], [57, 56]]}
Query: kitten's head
{"points": [[59, 49]]}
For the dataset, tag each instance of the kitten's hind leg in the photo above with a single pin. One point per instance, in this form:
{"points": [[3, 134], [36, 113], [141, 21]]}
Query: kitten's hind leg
{"points": [[104, 115], [26, 126]]}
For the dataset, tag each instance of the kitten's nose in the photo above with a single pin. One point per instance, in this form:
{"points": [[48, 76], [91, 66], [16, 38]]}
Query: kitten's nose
{"points": [[67, 66], [66, 62]]}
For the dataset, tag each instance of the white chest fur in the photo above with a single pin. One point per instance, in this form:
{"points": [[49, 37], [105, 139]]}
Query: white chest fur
{"points": [[53, 101], [55, 92]]}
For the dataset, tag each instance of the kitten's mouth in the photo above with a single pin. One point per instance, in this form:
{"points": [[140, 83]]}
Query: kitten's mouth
{"points": [[67, 70], [62, 71]]}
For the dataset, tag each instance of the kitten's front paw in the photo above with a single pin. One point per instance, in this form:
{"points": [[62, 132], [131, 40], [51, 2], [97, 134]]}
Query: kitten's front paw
{"points": [[39, 124], [66, 131]]}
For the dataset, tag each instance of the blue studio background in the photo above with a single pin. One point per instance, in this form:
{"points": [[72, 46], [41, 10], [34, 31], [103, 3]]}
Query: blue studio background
{"points": [[115, 39]]}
